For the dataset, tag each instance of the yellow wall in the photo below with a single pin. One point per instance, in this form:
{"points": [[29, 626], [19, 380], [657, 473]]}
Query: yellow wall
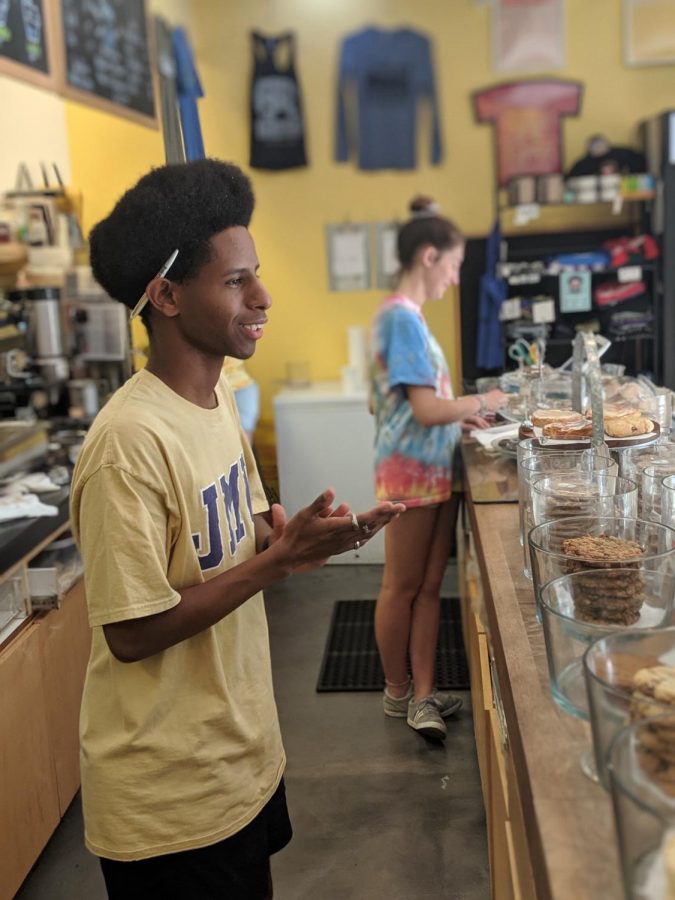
{"points": [[109, 153], [308, 322]]}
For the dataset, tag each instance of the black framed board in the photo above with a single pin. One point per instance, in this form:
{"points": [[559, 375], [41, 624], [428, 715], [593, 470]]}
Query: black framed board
{"points": [[27, 41], [107, 56]]}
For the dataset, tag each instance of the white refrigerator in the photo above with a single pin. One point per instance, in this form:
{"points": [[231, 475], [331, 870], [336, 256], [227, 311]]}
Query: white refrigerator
{"points": [[325, 438]]}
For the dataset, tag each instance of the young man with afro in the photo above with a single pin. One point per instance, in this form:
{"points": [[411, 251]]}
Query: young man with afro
{"points": [[181, 755]]}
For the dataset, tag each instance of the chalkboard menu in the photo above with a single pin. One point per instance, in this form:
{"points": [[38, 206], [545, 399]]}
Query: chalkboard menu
{"points": [[22, 34], [106, 52]]}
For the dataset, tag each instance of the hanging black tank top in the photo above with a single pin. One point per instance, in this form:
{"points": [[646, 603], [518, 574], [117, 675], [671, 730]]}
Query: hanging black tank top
{"points": [[277, 128]]}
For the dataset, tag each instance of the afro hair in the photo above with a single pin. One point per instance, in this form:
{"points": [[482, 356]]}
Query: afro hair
{"points": [[179, 206]]}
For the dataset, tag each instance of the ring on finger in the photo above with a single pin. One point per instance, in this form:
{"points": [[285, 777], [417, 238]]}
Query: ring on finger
{"points": [[355, 522], [365, 528]]}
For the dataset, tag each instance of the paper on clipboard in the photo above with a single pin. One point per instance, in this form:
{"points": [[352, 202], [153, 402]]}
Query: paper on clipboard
{"points": [[388, 265], [348, 257]]}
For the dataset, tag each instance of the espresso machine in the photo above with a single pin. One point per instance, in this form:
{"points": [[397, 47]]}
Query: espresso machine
{"points": [[69, 350], [34, 367]]}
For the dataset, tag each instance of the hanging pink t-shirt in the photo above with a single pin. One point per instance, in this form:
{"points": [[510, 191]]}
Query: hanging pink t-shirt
{"points": [[528, 127]]}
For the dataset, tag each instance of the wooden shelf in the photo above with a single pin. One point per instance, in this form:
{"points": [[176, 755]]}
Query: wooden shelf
{"points": [[566, 217]]}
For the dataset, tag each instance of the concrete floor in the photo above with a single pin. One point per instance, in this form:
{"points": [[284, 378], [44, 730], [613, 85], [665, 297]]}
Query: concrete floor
{"points": [[379, 813]]}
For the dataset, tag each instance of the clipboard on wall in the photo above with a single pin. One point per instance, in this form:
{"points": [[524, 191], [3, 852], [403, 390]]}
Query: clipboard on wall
{"points": [[388, 266], [348, 256]]}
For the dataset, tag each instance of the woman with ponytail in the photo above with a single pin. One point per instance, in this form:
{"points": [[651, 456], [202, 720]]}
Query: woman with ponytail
{"points": [[418, 427]]}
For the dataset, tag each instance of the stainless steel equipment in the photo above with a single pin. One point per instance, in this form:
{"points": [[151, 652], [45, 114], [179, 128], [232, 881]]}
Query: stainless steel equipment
{"points": [[44, 330]]}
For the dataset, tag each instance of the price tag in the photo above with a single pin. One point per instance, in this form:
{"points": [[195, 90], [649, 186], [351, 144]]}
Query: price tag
{"points": [[510, 309], [629, 273], [525, 213], [543, 311]]}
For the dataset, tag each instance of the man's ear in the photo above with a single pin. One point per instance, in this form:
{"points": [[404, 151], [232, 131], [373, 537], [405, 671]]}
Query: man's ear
{"points": [[162, 296]]}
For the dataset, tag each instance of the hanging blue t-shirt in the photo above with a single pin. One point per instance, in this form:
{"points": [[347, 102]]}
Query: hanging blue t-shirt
{"points": [[392, 73]]}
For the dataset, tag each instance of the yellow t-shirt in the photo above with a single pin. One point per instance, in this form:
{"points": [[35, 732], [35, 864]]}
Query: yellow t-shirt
{"points": [[182, 749]]}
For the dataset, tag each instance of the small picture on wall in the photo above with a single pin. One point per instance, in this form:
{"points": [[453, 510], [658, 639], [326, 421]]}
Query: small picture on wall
{"points": [[575, 292], [648, 32]]}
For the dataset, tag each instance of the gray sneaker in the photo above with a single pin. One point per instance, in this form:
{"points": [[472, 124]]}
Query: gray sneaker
{"points": [[397, 707], [424, 716], [448, 704]]}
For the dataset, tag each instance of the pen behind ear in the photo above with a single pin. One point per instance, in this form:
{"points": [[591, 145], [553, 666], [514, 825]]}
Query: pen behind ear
{"points": [[144, 298]]}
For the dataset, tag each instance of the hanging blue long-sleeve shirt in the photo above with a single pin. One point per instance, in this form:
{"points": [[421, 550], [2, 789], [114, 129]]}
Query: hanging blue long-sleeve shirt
{"points": [[391, 72]]}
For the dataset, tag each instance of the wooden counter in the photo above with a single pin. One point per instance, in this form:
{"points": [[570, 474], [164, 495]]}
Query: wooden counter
{"points": [[42, 668], [556, 825]]}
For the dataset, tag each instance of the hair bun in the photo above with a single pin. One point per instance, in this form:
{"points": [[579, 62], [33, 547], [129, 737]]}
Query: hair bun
{"points": [[423, 206]]}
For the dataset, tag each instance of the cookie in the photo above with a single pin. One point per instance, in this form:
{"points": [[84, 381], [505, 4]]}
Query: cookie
{"points": [[650, 678], [628, 426], [615, 597], [602, 548], [598, 617], [660, 773]]}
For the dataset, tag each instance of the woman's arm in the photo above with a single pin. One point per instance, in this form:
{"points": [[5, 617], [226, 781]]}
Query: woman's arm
{"points": [[430, 409]]}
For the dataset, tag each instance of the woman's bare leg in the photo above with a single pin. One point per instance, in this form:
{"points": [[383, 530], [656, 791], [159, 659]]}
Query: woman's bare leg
{"points": [[427, 605], [407, 544]]}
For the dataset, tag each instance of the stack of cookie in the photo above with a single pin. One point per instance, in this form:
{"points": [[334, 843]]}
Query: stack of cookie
{"points": [[654, 695], [616, 598], [571, 496]]}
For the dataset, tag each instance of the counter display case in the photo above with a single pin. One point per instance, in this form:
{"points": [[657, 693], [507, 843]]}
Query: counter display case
{"points": [[551, 832]]}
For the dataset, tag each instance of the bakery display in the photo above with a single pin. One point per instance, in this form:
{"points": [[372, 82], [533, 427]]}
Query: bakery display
{"points": [[624, 424], [618, 597]]}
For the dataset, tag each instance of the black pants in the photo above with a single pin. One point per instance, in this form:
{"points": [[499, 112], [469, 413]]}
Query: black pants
{"points": [[237, 868]]}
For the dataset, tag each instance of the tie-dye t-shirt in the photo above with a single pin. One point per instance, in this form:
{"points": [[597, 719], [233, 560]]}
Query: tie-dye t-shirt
{"points": [[413, 462]]}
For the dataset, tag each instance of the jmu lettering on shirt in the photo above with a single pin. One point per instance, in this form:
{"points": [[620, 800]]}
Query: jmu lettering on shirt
{"points": [[222, 500]]}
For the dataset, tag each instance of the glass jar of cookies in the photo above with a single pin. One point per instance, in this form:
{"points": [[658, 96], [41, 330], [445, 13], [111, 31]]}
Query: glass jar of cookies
{"points": [[579, 609], [579, 493], [644, 810], [578, 543], [625, 672], [540, 463]]}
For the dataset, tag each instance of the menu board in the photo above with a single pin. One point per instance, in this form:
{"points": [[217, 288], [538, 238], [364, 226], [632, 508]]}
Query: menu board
{"points": [[23, 39], [106, 54]]}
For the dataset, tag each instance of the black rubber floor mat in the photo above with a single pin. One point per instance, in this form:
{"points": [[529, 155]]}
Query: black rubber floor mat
{"points": [[351, 662]]}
